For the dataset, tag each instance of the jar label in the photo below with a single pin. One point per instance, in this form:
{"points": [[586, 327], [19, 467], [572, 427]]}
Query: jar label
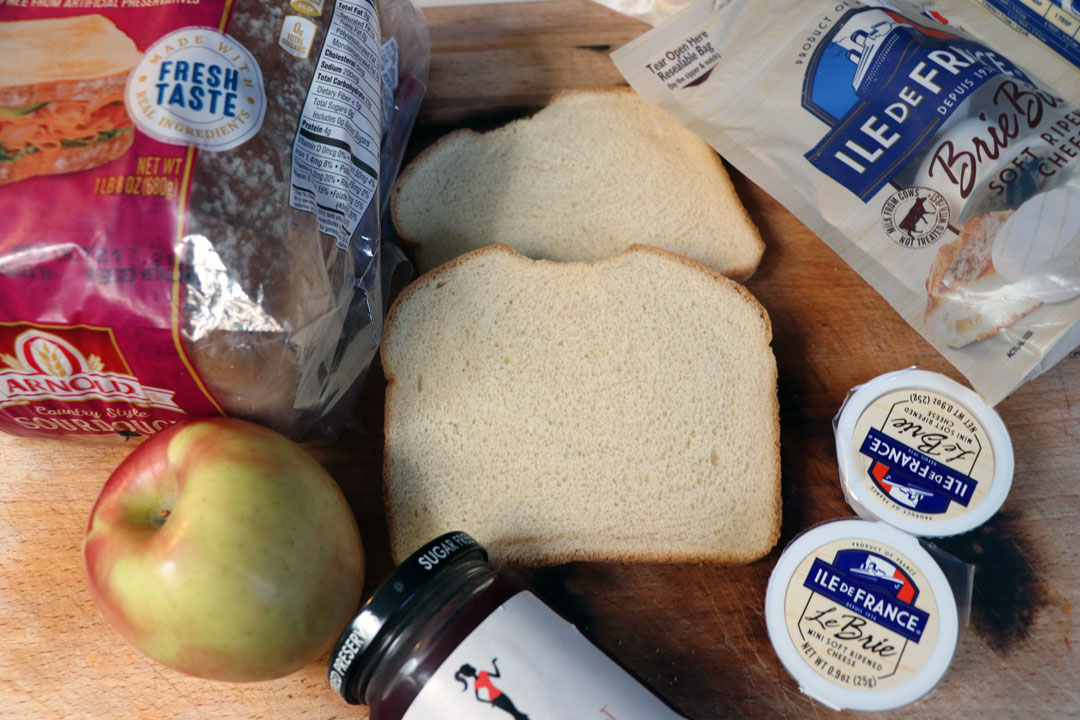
{"points": [[861, 614], [530, 663], [923, 454]]}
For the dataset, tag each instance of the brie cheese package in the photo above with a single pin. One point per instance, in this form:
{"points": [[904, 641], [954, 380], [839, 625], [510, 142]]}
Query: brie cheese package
{"points": [[932, 146]]}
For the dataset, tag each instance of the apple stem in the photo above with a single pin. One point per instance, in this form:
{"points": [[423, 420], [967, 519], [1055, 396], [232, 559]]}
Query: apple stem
{"points": [[157, 520]]}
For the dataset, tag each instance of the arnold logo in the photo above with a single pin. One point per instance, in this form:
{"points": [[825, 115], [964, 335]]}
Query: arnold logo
{"points": [[44, 365]]}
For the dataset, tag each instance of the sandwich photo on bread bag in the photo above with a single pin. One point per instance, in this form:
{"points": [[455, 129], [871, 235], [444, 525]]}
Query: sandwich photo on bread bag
{"points": [[62, 95], [618, 410], [183, 232], [593, 172]]}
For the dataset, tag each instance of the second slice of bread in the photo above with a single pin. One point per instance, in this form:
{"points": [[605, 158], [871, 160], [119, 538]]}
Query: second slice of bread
{"points": [[589, 175], [618, 410]]}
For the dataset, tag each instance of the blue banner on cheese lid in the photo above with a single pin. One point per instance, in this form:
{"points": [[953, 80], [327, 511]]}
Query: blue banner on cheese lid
{"points": [[870, 586], [913, 478]]}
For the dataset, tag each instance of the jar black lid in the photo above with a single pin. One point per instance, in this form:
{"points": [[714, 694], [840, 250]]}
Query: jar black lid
{"points": [[351, 662]]}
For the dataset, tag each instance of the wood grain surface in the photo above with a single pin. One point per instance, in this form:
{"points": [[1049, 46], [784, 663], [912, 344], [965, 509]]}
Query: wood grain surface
{"points": [[695, 634]]}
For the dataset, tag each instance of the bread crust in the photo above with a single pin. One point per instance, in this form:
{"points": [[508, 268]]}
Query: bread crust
{"points": [[75, 89], [434, 276], [740, 273], [68, 160]]}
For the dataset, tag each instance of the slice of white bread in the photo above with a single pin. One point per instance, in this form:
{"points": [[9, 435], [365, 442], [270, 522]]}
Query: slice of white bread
{"points": [[622, 410], [589, 175], [966, 299]]}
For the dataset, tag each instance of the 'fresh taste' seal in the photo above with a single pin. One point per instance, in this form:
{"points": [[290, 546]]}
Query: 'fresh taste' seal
{"points": [[197, 86]]}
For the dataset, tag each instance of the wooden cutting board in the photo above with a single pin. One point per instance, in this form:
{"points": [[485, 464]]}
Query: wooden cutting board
{"points": [[695, 634]]}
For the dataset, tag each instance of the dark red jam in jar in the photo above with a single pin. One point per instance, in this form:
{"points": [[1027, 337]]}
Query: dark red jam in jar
{"points": [[449, 636]]}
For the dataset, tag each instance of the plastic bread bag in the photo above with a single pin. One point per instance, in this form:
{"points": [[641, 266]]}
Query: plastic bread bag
{"points": [[190, 200], [929, 144]]}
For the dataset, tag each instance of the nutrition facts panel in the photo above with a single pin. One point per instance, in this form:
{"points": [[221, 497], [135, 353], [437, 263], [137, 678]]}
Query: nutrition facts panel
{"points": [[1056, 23], [335, 157]]}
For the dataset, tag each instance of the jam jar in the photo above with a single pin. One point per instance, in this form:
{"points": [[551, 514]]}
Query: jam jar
{"points": [[448, 635]]}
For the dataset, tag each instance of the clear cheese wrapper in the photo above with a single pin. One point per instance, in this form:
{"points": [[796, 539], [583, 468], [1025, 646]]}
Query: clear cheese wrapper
{"points": [[930, 145], [1054, 23]]}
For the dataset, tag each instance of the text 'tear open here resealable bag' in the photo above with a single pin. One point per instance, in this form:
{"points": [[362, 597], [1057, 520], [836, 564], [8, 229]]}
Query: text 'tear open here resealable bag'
{"points": [[190, 202], [930, 145]]}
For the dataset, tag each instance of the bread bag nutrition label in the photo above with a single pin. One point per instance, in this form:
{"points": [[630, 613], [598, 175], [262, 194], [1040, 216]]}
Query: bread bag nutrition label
{"points": [[335, 156]]}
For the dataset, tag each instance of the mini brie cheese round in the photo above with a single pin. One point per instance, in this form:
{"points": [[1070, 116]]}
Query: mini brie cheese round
{"points": [[1038, 247], [923, 453], [861, 615]]}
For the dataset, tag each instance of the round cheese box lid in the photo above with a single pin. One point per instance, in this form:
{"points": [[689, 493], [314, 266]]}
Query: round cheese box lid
{"points": [[923, 453], [861, 615]]}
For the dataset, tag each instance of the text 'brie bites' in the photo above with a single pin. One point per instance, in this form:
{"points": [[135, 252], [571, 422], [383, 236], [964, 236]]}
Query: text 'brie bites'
{"points": [[62, 95], [618, 410], [589, 175]]}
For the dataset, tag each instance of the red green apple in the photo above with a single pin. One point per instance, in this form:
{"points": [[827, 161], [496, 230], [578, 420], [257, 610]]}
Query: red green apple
{"points": [[224, 550]]}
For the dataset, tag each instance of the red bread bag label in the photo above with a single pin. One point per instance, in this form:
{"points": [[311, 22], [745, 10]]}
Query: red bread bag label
{"points": [[90, 281]]}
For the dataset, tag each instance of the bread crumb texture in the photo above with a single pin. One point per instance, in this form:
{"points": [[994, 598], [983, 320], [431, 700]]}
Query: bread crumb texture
{"points": [[614, 411], [589, 175]]}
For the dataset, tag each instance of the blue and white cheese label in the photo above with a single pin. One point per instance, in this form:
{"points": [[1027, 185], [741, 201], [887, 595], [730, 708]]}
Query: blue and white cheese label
{"points": [[923, 454], [861, 615], [335, 157], [197, 86]]}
